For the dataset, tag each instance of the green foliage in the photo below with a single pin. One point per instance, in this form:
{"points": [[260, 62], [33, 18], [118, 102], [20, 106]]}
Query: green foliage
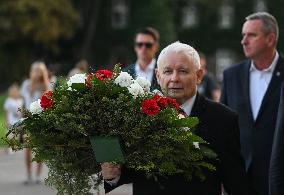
{"points": [[42, 22], [158, 14], [157, 145], [2, 126], [31, 30]]}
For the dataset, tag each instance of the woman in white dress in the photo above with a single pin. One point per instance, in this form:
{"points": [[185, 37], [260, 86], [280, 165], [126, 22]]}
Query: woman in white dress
{"points": [[32, 90]]}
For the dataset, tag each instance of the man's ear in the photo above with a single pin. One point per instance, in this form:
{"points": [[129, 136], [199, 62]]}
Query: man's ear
{"points": [[157, 75], [271, 39], [199, 74]]}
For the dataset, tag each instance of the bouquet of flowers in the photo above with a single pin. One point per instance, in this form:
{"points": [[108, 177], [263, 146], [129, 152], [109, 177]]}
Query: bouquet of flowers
{"points": [[157, 140]]}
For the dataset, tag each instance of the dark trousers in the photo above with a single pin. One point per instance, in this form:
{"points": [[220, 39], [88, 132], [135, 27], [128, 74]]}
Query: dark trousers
{"points": [[251, 180]]}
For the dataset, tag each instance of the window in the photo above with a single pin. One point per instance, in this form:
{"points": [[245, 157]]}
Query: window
{"points": [[189, 16], [224, 59], [119, 14], [226, 16], [260, 6]]}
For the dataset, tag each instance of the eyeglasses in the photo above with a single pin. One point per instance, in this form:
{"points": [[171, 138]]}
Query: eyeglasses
{"points": [[141, 44]]}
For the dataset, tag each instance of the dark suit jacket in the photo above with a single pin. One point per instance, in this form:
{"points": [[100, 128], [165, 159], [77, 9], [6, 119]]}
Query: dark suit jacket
{"points": [[218, 126], [276, 173], [255, 135], [131, 70]]}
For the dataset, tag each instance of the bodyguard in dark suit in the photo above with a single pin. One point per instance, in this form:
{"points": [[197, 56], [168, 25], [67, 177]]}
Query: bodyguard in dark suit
{"points": [[178, 74], [252, 89], [276, 173], [146, 44]]}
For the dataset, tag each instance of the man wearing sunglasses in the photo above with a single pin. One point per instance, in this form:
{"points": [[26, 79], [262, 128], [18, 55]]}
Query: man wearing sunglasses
{"points": [[146, 44]]}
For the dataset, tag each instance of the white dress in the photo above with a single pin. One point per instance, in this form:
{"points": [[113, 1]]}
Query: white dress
{"points": [[12, 107], [29, 98]]}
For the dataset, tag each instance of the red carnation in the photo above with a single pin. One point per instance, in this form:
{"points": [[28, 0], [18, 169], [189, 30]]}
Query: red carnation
{"points": [[88, 80], [174, 103], [47, 100], [103, 74], [150, 107], [163, 102]]}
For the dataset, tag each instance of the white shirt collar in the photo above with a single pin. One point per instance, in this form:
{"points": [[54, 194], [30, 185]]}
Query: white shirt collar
{"points": [[270, 68], [149, 67], [187, 106]]}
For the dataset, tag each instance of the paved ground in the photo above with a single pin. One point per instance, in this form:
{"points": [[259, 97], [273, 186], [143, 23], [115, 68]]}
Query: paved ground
{"points": [[12, 175]]}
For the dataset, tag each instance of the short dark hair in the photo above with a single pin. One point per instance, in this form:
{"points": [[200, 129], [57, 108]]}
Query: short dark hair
{"points": [[149, 31], [269, 22]]}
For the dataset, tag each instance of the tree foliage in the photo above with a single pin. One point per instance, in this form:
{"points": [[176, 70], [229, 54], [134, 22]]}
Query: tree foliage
{"points": [[42, 22], [158, 14], [32, 30]]}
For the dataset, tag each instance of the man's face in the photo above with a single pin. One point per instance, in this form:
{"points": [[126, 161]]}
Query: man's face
{"points": [[178, 77], [145, 47], [255, 42]]}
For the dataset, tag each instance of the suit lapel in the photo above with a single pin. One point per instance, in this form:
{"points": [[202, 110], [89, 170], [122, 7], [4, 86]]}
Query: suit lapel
{"points": [[132, 71], [154, 83], [276, 80], [245, 82], [198, 106], [198, 110]]}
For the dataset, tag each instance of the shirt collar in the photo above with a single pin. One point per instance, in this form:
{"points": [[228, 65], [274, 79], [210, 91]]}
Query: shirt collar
{"points": [[187, 106], [149, 67], [270, 68]]}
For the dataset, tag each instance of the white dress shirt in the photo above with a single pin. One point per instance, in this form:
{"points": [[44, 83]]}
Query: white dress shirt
{"points": [[259, 81], [148, 73]]}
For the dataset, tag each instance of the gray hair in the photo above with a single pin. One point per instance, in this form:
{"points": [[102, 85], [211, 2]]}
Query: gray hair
{"points": [[270, 24], [178, 47]]}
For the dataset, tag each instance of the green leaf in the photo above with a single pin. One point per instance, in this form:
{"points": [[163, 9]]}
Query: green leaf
{"points": [[208, 152], [189, 122], [79, 86]]}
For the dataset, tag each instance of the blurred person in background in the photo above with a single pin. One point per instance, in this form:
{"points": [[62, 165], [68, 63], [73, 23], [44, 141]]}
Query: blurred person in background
{"points": [[80, 67], [252, 89], [146, 45], [52, 74], [208, 86], [12, 106], [32, 90]]}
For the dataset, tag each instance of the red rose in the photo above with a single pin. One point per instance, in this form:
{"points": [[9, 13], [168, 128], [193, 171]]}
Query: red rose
{"points": [[150, 107], [47, 100], [88, 80], [103, 74]]}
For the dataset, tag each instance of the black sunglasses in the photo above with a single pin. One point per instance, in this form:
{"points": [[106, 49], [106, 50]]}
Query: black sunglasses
{"points": [[147, 45]]}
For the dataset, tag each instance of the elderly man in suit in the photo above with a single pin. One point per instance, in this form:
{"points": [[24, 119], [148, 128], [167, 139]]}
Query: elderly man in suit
{"points": [[252, 89], [178, 74], [276, 173], [146, 44]]}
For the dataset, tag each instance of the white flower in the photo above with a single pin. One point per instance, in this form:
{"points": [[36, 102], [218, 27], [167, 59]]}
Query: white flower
{"points": [[136, 90], [124, 79], [158, 92], [186, 128], [77, 78], [35, 107], [144, 83], [196, 145], [180, 116]]}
